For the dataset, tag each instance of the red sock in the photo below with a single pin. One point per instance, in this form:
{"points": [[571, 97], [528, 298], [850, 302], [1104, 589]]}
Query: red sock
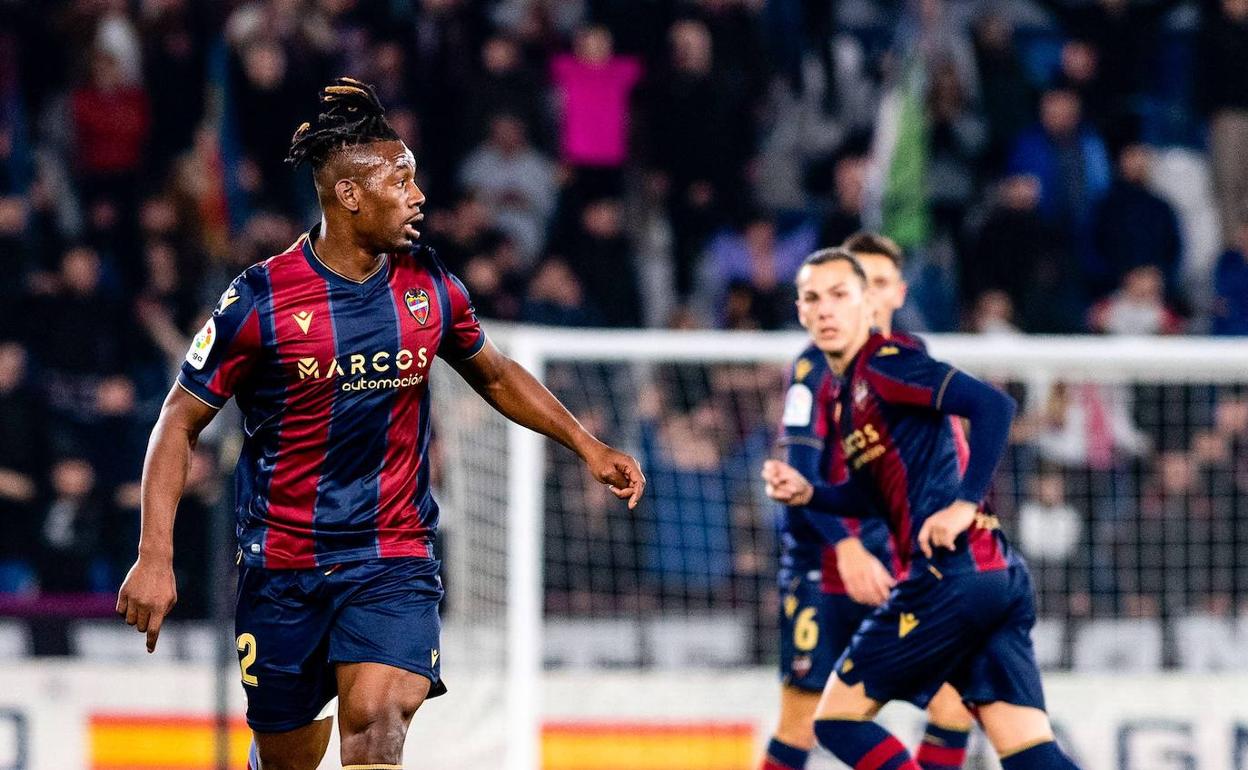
{"points": [[942, 748]]}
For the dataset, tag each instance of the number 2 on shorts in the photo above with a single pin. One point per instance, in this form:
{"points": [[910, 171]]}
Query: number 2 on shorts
{"points": [[247, 646]]}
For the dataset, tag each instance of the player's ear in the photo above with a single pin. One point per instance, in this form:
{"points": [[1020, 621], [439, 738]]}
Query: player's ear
{"points": [[348, 194]]}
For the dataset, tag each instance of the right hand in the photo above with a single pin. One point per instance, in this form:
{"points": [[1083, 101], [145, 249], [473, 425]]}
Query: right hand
{"points": [[865, 578], [147, 595], [785, 484]]}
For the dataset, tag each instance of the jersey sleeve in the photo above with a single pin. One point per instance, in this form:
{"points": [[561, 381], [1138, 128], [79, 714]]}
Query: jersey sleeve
{"points": [[907, 375], [802, 422], [803, 435], [226, 348], [463, 337]]}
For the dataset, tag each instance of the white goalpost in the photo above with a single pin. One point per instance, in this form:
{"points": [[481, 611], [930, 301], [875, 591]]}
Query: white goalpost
{"points": [[576, 630]]}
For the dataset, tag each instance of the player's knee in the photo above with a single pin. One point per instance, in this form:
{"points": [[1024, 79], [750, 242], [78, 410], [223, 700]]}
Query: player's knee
{"points": [[946, 710], [374, 729], [1010, 727]]}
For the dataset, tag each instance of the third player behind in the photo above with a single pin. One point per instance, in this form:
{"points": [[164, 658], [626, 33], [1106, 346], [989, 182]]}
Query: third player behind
{"points": [[964, 611]]}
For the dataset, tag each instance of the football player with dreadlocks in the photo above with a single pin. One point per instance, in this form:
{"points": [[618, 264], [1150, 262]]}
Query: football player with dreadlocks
{"points": [[327, 348]]}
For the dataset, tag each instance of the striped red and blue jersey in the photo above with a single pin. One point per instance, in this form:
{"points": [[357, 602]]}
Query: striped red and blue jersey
{"points": [[955, 422], [332, 378], [807, 538], [902, 448]]}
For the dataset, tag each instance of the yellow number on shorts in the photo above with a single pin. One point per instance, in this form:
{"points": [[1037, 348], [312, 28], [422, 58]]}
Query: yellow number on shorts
{"points": [[806, 630], [247, 646]]}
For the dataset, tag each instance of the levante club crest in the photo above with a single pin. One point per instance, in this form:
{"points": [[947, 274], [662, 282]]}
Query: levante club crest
{"points": [[417, 304]]}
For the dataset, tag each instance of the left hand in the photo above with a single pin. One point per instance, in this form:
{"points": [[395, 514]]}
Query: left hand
{"points": [[942, 528], [620, 472]]}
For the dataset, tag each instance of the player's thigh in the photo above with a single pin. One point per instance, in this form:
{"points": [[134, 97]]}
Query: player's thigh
{"points": [[947, 710], [298, 749], [282, 624], [388, 619], [910, 646], [797, 714], [1012, 728]]}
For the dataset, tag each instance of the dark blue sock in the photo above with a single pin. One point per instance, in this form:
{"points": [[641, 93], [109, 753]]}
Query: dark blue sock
{"points": [[1046, 756], [863, 745], [782, 756]]}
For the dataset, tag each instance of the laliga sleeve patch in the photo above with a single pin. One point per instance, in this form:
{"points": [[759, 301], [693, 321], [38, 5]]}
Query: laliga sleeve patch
{"points": [[798, 405], [201, 346]]}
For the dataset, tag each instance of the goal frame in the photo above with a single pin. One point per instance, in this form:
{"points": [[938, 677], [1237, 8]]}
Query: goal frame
{"points": [[1104, 359]]}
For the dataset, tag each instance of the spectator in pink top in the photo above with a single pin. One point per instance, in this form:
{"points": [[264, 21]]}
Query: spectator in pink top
{"points": [[594, 86]]}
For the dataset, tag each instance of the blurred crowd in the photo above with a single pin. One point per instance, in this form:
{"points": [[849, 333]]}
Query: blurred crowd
{"points": [[1050, 166]]}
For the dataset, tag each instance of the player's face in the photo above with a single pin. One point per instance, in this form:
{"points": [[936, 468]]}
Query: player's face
{"points": [[832, 306], [885, 288], [390, 209]]}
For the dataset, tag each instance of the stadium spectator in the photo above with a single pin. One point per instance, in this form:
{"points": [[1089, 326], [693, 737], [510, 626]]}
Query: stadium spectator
{"points": [[1049, 528], [845, 217], [1017, 251], [265, 81], [957, 139], [1079, 70], [14, 253], [112, 120], [1081, 425], [175, 39], [1005, 94], [1124, 35], [507, 84], [556, 298], [594, 86], [516, 182], [462, 230], [497, 274], [1230, 311], [21, 462], [603, 259], [994, 314], [1222, 89], [69, 532], [1135, 226], [1068, 157], [755, 267], [1137, 307], [689, 550], [80, 337], [692, 117]]}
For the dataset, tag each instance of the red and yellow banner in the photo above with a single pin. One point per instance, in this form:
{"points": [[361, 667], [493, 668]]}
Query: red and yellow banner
{"points": [[161, 742], [186, 742], [648, 746]]}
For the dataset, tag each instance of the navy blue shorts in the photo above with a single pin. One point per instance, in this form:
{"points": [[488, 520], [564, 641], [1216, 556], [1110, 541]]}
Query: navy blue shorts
{"points": [[815, 628], [292, 626], [971, 630]]}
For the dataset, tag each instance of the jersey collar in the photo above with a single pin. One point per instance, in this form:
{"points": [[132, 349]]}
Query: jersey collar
{"points": [[331, 275]]}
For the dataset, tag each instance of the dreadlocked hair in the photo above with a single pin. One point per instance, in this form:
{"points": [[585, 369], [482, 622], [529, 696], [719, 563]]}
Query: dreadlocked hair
{"points": [[352, 115]]}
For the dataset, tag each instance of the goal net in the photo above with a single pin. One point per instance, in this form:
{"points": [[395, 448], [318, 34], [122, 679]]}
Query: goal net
{"points": [[581, 635]]}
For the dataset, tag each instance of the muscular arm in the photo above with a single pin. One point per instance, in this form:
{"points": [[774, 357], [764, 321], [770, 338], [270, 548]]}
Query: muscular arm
{"points": [[991, 412], [518, 396], [149, 592]]}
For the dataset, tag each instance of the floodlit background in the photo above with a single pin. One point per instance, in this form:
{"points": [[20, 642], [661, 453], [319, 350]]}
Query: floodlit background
{"points": [[1052, 167]]}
